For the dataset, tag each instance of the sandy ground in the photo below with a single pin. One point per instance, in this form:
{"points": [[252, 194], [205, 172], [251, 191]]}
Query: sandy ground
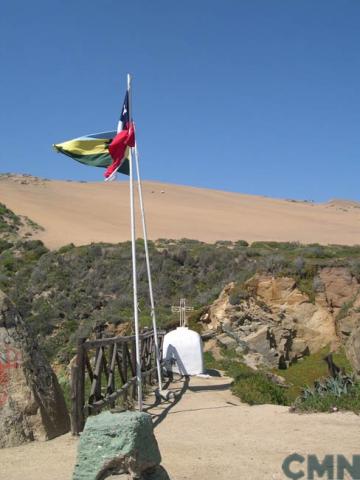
{"points": [[91, 212], [208, 435]]}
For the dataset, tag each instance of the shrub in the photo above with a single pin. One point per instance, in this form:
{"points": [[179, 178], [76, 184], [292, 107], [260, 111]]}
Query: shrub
{"points": [[318, 251], [299, 264], [253, 387], [344, 310], [276, 245], [318, 285], [224, 243], [241, 243], [275, 264], [309, 369], [4, 245], [355, 268], [66, 248], [238, 294], [342, 393]]}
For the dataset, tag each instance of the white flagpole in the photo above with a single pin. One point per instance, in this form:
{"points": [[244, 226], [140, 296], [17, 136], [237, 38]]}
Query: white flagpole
{"points": [[133, 249], [152, 304]]}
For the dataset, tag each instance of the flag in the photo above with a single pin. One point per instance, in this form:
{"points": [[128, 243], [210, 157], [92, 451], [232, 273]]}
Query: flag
{"points": [[125, 138], [109, 150]]}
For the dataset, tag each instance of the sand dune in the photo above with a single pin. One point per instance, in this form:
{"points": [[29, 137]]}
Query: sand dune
{"points": [[91, 212]]}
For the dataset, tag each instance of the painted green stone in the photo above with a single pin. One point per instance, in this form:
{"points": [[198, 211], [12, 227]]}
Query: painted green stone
{"points": [[108, 435]]}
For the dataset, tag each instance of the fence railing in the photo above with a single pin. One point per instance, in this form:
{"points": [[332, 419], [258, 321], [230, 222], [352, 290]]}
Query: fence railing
{"points": [[105, 369]]}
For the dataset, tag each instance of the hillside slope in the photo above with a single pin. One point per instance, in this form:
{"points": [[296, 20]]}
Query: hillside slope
{"points": [[92, 212]]}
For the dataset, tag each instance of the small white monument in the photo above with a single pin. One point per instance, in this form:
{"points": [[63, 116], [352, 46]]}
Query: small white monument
{"points": [[182, 348]]}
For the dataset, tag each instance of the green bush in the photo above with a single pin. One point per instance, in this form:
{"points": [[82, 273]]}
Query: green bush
{"points": [[255, 388], [4, 245], [241, 243], [276, 245], [338, 386], [251, 386], [341, 393], [309, 369], [238, 293]]}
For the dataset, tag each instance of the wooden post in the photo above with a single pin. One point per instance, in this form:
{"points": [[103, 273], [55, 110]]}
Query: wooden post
{"points": [[125, 368], [78, 390], [133, 363]]}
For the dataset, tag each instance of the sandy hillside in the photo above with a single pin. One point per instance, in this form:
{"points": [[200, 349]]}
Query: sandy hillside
{"points": [[208, 435], [91, 212]]}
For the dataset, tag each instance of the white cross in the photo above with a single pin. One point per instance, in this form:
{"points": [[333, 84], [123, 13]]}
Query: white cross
{"points": [[182, 309]]}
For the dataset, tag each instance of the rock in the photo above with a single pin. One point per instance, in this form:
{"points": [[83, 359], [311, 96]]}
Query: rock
{"points": [[349, 331], [226, 342], [340, 285], [114, 443], [242, 349], [260, 342], [276, 320], [353, 349], [276, 291], [347, 325], [212, 346], [31, 401], [277, 379], [254, 360], [314, 325], [217, 313]]}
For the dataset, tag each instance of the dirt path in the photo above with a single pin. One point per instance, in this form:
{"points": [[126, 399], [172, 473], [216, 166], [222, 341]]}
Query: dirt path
{"points": [[208, 435]]}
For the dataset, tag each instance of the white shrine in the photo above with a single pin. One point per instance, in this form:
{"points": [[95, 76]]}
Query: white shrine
{"points": [[183, 350]]}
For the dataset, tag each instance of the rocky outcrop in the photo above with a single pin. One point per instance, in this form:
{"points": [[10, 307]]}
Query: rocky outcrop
{"points": [[339, 286], [32, 406], [348, 327], [353, 348], [274, 323]]}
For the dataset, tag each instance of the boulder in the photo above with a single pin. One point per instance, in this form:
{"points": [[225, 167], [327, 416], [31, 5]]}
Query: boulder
{"points": [[32, 406], [347, 325], [118, 443], [260, 342], [340, 286], [349, 330], [353, 349], [314, 325], [226, 342], [276, 290]]}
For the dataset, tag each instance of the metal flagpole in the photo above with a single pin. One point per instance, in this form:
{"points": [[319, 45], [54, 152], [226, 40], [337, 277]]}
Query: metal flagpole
{"points": [[133, 250], [152, 304]]}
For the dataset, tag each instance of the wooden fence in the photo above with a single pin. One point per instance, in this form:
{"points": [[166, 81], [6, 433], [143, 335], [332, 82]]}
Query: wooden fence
{"points": [[105, 369]]}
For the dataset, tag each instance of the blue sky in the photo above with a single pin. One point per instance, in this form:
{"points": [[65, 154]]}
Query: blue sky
{"points": [[254, 96]]}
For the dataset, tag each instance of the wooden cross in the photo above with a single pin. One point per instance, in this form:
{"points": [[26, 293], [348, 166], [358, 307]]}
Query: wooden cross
{"points": [[182, 309]]}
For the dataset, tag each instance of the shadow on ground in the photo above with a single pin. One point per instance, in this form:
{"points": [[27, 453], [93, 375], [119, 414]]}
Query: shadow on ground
{"points": [[179, 386]]}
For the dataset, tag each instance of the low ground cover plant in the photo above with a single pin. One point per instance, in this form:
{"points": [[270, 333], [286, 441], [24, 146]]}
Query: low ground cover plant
{"points": [[308, 387]]}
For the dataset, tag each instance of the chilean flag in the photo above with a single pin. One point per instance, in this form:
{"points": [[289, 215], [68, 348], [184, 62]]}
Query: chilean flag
{"points": [[122, 142]]}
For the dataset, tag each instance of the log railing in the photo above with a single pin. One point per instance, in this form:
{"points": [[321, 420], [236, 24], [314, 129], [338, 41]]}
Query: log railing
{"points": [[105, 370]]}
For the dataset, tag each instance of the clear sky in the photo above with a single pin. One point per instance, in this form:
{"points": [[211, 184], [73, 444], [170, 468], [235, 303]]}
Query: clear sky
{"points": [[254, 96]]}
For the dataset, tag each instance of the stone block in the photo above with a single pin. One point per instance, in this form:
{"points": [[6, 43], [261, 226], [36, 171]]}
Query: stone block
{"points": [[115, 443]]}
